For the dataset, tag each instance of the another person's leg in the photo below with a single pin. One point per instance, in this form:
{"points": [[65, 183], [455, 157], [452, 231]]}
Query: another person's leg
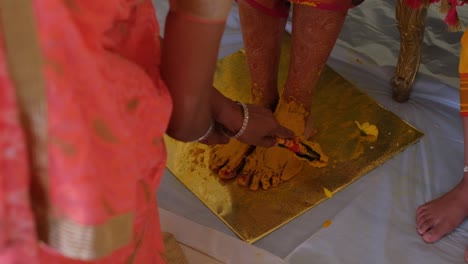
{"points": [[441, 216]]}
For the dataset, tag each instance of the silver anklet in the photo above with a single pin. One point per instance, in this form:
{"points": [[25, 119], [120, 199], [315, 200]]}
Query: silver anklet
{"points": [[245, 109], [465, 169]]}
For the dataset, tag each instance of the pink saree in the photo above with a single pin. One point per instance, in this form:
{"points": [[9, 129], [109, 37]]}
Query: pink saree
{"points": [[107, 111]]}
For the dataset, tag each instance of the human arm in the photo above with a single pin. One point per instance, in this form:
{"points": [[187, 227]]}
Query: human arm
{"points": [[262, 127]]}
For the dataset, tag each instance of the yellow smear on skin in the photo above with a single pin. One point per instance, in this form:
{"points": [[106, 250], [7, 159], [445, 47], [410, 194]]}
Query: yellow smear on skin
{"points": [[285, 161], [257, 94], [228, 157], [293, 115], [281, 164]]}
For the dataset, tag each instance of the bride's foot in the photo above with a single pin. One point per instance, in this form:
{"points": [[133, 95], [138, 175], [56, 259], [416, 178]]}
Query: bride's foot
{"points": [[267, 167], [227, 160], [441, 216]]}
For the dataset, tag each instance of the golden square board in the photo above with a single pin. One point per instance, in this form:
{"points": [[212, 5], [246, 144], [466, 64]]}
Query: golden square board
{"points": [[337, 106]]}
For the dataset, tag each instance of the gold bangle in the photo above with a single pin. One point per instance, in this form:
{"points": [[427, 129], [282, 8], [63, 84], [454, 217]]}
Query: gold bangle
{"points": [[241, 131]]}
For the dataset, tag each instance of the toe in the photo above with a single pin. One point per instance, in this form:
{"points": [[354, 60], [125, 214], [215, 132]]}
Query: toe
{"points": [[255, 182], [421, 209], [434, 234], [244, 178], [217, 158], [275, 179], [216, 163], [229, 161], [230, 169], [226, 173], [425, 226], [421, 218], [428, 236], [265, 179]]}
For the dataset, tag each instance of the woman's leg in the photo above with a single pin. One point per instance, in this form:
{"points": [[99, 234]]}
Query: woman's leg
{"points": [[262, 31], [262, 34], [314, 35]]}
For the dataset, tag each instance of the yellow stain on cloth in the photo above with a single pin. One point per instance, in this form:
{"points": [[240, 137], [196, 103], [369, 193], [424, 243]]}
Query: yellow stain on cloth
{"points": [[367, 129], [327, 223]]}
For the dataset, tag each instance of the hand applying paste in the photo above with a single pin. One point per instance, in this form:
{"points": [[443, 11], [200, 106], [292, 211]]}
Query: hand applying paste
{"points": [[268, 167]]}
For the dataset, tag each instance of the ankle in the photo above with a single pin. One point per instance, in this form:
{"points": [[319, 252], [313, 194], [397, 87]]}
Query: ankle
{"points": [[302, 97], [269, 102], [305, 102]]}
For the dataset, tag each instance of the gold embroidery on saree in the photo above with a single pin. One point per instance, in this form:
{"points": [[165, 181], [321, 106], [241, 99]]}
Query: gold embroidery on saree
{"points": [[90, 242], [25, 65], [103, 131]]}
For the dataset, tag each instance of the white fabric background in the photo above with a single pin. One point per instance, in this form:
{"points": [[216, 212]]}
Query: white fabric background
{"points": [[373, 220]]}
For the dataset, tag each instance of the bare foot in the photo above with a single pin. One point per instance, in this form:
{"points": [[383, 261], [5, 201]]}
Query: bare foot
{"points": [[267, 167], [441, 216], [227, 160]]}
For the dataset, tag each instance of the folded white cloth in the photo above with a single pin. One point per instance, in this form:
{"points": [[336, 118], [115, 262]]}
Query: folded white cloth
{"points": [[204, 245]]}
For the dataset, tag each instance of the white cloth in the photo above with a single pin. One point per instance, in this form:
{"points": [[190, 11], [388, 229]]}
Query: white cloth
{"points": [[203, 245]]}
